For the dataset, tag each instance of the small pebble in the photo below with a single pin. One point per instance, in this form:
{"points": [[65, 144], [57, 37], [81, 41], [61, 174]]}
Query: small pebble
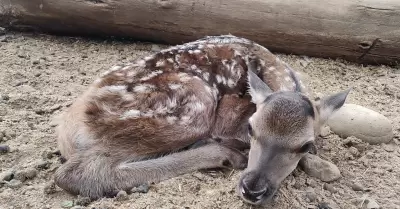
{"points": [[6, 175], [14, 183], [323, 205], [4, 149], [122, 195], [67, 204], [389, 147], [82, 201], [310, 194], [155, 48], [144, 188], [43, 165], [50, 188], [357, 187], [371, 204], [28, 173], [330, 188], [5, 97]]}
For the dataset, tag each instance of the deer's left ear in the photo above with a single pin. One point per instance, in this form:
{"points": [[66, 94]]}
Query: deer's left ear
{"points": [[258, 90], [330, 104]]}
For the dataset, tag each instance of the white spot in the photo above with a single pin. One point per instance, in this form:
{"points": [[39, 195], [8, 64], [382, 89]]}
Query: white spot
{"points": [[151, 75], [190, 51], [224, 80], [148, 58], [278, 73], [197, 51], [210, 46], [193, 67], [143, 88], [180, 51], [184, 77], [237, 53], [185, 119], [174, 86], [160, 63], [206, 76], [219, 78], [197, 107], [231, 83], [115, 88], [141, 63], [287, 78], [171, 119], [131, 114], [170, 60], [272, 68], [200, 46]]}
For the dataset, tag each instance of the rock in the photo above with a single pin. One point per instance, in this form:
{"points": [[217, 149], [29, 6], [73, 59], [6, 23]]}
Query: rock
{"points": [[6, 175], [14, 183], [78, 207], [310, 194], [82, 201], [50, 188], [43, 165], [361, 122], [67, 204], [370, 203], [144, 188], [28, 173], [357, 187], [389, 147], [330, 188], [122, 195], [323, 205], [155, 48], [325, 131], [4, 149], [319, 168]]}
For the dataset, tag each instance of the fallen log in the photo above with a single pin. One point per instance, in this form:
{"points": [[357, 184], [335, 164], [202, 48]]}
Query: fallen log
{"points": [[362, 31]]}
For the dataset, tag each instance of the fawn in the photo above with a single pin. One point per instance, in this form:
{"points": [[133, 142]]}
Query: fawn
{"points": [[189, 107]]}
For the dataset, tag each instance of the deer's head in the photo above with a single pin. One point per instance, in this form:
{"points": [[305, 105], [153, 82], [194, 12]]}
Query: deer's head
{"points": [[282, 131]]}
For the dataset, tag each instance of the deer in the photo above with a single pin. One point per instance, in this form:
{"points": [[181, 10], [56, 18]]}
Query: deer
{"points": [[189, 107]]}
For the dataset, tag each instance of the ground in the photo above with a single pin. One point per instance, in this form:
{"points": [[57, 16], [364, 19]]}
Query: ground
{"points": [[41, 75]]}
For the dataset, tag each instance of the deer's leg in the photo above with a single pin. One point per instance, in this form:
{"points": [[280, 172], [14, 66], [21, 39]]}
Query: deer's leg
{"points": [[231, 122], [97, 174]]}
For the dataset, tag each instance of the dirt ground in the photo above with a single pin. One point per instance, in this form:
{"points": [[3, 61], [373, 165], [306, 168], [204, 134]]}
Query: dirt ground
{"points": [[40, 75]]}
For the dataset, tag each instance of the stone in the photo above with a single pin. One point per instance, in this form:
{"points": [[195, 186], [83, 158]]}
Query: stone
{"points": [[6, 175], [50, 188], [370, 203], [43, 164], [67, 204], [330, 188], [4, 149], [14, 183], [357, 187], [144, 188], [363, 123], [82, 201], [28, 173], [122, 195], [310, 194], [319, 168]]}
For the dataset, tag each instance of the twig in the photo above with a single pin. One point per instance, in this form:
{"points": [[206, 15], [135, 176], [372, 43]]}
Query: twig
{"points": [[369, 49]]}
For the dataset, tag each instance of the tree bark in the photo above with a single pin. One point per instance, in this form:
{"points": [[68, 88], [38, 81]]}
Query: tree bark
{"points": [[363, 31]]}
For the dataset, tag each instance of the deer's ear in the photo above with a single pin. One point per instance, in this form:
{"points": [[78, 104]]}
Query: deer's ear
{"points": [[330, 104], [258, 90]]}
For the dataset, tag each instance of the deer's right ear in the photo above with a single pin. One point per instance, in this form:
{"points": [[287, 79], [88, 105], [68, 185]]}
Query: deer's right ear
{"points": [[258, 90]]}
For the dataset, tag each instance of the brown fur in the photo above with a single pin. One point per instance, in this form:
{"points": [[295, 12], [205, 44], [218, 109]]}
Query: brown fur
{"points": [[139, 122]]}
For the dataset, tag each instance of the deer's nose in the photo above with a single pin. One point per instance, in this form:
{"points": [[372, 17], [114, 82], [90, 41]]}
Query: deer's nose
{"points": [[252, 195]]}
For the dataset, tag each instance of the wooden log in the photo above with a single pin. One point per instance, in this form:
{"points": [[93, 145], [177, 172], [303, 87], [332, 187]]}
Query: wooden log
{"points": [[363, 31]]}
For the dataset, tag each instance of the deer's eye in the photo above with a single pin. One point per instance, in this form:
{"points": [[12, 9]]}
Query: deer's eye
{"points": [[307, 147], [250, 130]]}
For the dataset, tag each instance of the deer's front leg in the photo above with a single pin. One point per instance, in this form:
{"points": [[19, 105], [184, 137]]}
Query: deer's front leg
{"points": [[231, 121]]}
